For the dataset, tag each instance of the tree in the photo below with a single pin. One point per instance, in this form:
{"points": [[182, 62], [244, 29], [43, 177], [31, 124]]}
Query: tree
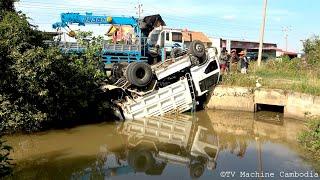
{"points": [[312, 50], [7, 5], [42, 87]]}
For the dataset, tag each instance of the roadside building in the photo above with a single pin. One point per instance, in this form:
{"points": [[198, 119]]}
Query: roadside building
{"points": [[189, 36], [252, 48], [291, 55]]}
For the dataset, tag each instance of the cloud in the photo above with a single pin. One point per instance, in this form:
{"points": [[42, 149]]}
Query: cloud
{"points": [[229, 17], [278, 19]]}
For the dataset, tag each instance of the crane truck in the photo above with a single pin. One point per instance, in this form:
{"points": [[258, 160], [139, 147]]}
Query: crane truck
{"points": [[138, 89], [142, 51]]}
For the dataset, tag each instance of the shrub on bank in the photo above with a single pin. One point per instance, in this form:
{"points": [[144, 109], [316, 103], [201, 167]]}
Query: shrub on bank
{"points": [[5, 161], [40, 87], [312, 50], [310, 139]]}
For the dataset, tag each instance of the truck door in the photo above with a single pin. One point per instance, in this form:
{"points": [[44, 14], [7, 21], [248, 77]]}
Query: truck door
{"points": [[162, 37], [167, 42]]}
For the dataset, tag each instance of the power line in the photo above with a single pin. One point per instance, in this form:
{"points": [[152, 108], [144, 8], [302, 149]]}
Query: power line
{"points": [[121, 8], [139, 8], [126, 9]]}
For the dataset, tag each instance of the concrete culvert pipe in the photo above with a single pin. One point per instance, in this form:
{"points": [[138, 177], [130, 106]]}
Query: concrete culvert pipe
{"points": [[139, 74]]}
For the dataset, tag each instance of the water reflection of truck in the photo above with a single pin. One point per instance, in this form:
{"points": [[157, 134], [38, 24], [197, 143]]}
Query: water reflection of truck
{"points": [[153, 143], [148, 146]]}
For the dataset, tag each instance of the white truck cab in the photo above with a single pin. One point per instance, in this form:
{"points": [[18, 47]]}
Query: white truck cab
{"points": [[167, 38]]}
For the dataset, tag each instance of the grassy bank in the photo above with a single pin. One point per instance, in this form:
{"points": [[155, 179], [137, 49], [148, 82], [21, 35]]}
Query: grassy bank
{"points": [[310, 139], [291, 75]]}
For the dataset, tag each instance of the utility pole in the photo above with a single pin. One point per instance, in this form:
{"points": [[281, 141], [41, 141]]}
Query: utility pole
{"points": [[264, 12], [286, 30], [139, 12], [139, 9]]}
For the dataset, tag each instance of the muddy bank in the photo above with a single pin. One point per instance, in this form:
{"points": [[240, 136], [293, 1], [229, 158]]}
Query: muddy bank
{"points": [[294, 105]]}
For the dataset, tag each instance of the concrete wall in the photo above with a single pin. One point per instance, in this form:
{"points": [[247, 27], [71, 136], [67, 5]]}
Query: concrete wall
{"points": [[296, 105], [232, 98], [246, 124], [301, 105]]}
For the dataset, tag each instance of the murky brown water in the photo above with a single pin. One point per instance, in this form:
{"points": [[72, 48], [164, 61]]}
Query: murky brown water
{"points": [[207, 145]]}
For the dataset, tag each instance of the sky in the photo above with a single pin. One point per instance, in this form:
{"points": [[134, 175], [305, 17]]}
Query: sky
{"points": [[233, 19]]}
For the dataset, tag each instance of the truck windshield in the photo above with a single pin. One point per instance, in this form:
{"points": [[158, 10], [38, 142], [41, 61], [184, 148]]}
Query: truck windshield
{"points": [[176, 36]]}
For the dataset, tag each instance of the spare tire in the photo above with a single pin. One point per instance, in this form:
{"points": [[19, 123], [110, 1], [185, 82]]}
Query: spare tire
{"points": [[139, 74], [197, 48], [176, 52]]}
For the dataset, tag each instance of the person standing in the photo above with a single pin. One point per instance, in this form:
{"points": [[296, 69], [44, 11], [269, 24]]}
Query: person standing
{"points": [[233, 60], [244, 63], [223, 61]]}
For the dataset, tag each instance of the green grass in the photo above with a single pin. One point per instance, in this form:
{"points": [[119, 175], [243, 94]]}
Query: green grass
{"points": [[290, 75], [310, 138]]}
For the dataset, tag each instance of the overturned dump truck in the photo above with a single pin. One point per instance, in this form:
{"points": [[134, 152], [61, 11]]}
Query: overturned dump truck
{"points": [[174, 85]]}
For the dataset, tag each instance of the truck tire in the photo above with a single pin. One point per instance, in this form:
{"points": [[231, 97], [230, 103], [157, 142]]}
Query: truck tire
{"points": [[140, 160], [175, 52], [139, 74], [197, 48], [196, 170]]}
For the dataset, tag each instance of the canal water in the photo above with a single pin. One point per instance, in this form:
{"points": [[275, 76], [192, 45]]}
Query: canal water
{"points": [[207, 145]]}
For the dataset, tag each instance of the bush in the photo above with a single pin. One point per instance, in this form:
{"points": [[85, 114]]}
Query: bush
{"points": [[5, 161], [311, 137], [312, 50], [41, 87]]}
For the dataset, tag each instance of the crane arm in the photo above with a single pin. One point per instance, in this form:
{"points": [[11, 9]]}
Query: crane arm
{"points": [[88, 18], [144, 26]]}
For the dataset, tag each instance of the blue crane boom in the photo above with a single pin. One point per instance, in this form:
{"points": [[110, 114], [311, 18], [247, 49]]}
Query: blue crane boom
{"points": [[116, 52], [88, 18]]}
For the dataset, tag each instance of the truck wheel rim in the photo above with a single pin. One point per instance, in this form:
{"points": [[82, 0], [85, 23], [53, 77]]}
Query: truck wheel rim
{"points": [[199, 48]]}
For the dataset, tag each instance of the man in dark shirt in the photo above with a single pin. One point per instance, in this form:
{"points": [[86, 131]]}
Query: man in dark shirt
{"points": [[223, 61], [244, 62], [233, 60]]}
